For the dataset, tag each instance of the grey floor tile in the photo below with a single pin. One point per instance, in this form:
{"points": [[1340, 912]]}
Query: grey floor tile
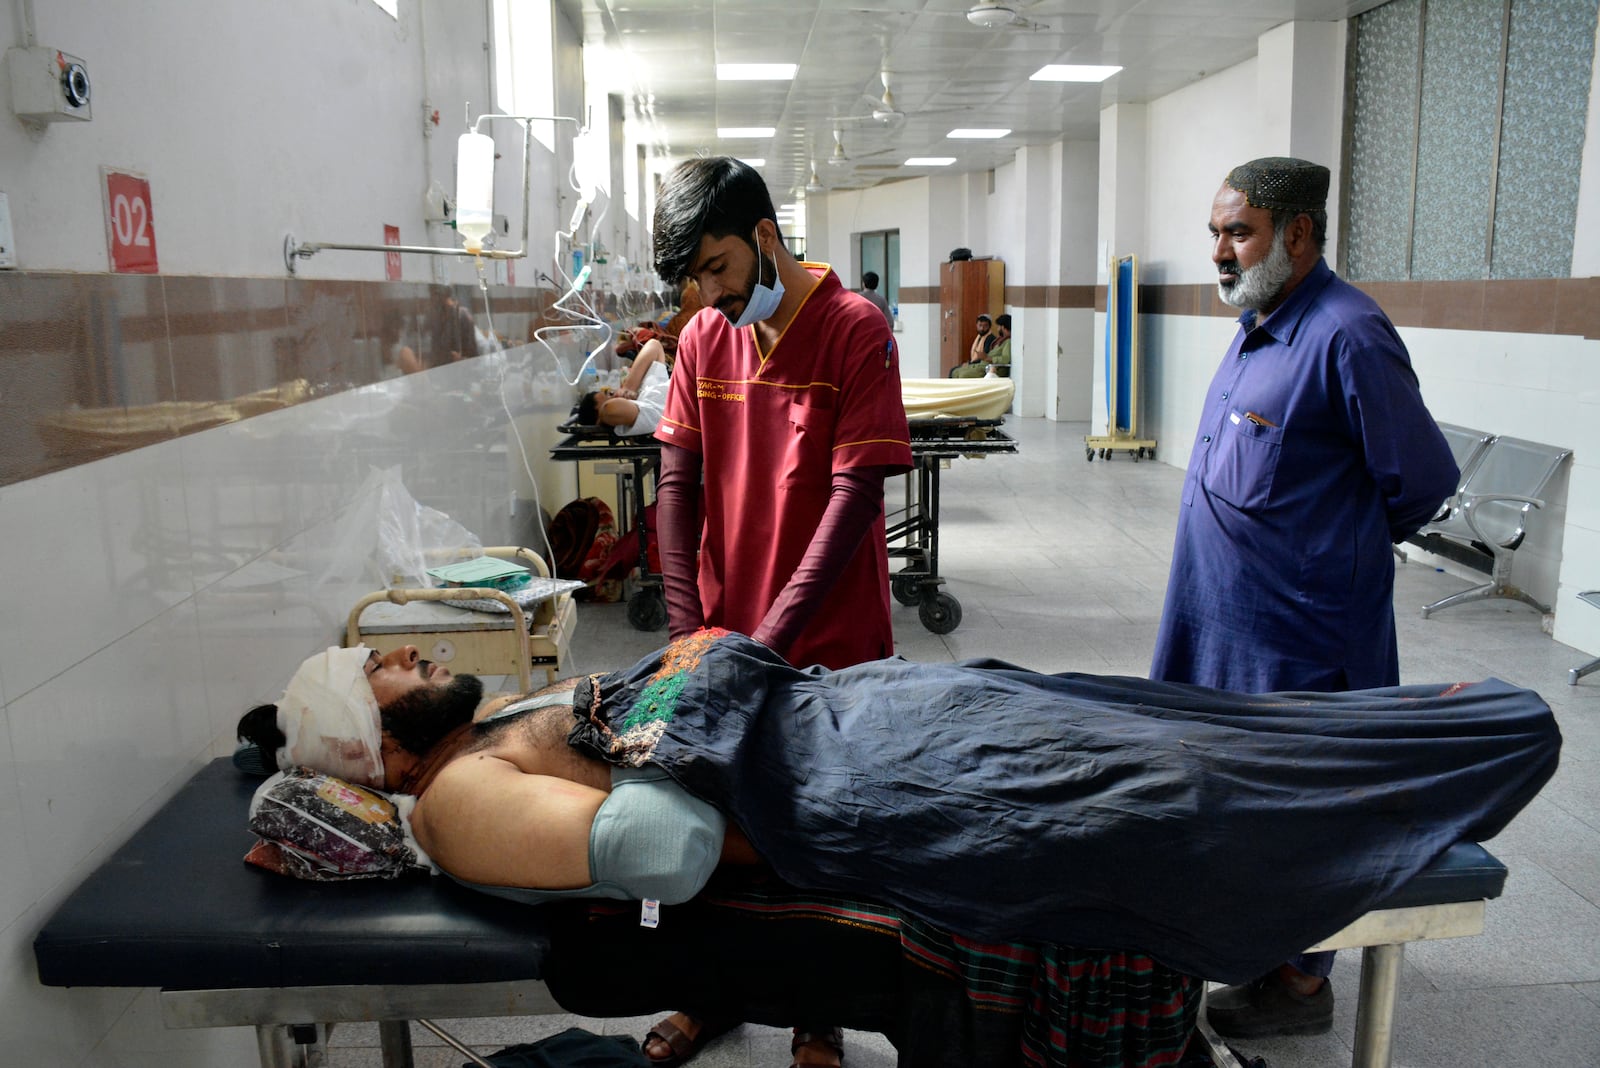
{"points": [[1537, 932]]}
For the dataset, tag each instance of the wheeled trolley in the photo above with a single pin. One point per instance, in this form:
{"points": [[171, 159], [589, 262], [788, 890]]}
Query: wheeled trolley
{"points": [[1122, 369], [913, 531]]}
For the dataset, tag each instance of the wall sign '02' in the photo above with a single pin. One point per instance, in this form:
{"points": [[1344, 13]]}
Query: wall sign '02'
{"points": [[130, 224], [391, 260]]}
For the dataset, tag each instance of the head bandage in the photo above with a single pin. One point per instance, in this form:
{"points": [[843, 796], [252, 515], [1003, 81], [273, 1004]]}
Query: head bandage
{"points": [[1280, 183], [329, 718]]}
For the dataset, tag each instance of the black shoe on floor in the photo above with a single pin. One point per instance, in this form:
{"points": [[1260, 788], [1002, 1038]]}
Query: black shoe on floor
{"points": [[1267, 1007]]}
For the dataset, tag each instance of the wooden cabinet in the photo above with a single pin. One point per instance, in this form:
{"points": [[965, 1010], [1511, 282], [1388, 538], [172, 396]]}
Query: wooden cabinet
{"points": [[967, 288]]}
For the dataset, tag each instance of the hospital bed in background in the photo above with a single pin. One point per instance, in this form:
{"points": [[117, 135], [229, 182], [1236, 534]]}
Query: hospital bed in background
{"points": [[230, 945], [503, 640], [950, 419]]}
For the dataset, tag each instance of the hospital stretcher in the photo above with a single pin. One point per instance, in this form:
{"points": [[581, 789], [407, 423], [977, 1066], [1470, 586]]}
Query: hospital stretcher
{"points": [[228, 945], [912, 530]]}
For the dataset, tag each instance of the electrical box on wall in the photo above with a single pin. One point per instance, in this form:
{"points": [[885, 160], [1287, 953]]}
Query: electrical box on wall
{"points": [[47, 85]]}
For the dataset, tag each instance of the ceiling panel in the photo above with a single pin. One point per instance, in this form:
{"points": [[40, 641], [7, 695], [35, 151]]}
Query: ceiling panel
{"points": [[943, 72]]}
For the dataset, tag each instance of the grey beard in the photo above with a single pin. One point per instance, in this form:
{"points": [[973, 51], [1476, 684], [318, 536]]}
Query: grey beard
{"points": [[1261, 285]]}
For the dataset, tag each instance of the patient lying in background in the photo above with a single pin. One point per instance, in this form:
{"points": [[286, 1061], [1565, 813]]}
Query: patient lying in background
{"points": [[634, 407]]}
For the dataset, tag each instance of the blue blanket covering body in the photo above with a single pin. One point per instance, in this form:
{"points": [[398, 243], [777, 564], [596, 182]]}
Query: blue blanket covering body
{"points": [[1218, 833]]}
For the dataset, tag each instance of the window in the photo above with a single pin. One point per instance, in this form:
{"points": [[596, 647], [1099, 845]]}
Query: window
{"points": [[1465, 132], [879, 252]]}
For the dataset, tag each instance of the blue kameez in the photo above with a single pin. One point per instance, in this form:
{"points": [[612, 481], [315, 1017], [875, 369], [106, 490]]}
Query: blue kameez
{"points": [[1314, 455]]}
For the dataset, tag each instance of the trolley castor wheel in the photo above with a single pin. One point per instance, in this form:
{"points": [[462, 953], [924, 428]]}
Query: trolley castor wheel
{"points": [[940, 613], [907, 589], [1088, 454], [647, 610]]}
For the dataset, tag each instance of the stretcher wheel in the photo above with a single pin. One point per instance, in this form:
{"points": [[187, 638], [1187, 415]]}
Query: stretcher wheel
{"points": [[647, 610], [1088, 454], [907, 589], [940, 613]]}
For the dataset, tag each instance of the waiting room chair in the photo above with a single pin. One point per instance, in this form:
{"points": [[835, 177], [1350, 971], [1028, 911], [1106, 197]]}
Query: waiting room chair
{"points": [[1588, 597], [1467, 447], [1488, 516]]}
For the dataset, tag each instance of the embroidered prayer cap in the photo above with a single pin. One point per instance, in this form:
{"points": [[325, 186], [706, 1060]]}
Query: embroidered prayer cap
{"points": [[330, 720], [1281, 183]]}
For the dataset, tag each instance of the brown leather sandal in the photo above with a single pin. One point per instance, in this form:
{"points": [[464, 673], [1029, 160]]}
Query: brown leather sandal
{"points": [[682, 1045], [832, 1037]]}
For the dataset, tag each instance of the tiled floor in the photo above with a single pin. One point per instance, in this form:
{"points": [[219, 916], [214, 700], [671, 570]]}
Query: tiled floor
{"points": [[1060, 565]]}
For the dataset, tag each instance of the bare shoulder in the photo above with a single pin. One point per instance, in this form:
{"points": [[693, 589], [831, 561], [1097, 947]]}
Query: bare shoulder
{"points": [[486, 820]]}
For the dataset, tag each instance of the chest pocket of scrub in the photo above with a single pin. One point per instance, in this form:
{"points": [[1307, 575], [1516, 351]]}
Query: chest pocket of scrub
{"points": [[1244, 462], [809, 450]]}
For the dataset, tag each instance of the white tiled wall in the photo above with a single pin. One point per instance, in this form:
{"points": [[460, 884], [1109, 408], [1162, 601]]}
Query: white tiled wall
{"points": [[154, 596]]}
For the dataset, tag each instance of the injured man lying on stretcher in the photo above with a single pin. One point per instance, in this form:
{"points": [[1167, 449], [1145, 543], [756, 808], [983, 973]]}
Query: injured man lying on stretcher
{"points": [[996, 802]]}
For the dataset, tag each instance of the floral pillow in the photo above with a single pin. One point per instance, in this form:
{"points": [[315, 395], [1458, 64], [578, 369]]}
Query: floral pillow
{"points": [[316, 826]]}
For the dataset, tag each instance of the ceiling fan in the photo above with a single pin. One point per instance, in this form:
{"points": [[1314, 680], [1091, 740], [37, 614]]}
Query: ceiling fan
{"points": [[840, 158], [988, 15], [887, 112]]}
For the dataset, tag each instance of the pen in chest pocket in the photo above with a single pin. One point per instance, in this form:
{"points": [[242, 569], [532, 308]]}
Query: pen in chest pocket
{"points": [[1258, 420]]}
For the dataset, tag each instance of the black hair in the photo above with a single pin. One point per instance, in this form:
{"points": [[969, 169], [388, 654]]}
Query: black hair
{"points": [[259, 726], [421, 717], [1319, 224], [713, 197], [1003, 320], [869, 280], [589, 408]]}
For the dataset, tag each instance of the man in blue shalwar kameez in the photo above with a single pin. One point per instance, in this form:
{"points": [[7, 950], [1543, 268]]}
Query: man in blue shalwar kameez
{"points": [[1314, 455]]}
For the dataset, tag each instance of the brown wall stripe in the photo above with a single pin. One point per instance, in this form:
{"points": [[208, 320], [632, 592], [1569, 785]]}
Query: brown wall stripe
{"points": [[1518, 306], [99, 364]]}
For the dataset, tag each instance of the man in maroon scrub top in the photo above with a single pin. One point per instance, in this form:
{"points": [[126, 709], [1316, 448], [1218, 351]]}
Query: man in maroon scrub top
{"points": [[782, 420]]}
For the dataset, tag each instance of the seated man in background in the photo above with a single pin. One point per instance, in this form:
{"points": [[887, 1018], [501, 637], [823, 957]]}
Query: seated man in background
{"points": [[999, 357], [633, 408], [977, 361]]}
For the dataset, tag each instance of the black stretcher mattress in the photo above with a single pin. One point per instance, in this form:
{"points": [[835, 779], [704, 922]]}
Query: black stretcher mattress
{"points": [[177, 907]]}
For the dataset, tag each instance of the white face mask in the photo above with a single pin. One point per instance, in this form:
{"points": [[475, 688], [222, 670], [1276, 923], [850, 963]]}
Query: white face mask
{"points": [[763, 301]]}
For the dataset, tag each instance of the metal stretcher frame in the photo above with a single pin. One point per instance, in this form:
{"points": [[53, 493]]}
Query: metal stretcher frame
{"points": [[176, 908], [935, 443]]}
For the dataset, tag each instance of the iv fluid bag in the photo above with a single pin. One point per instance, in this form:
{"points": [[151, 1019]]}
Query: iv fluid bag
{"points": [[474, 188]]}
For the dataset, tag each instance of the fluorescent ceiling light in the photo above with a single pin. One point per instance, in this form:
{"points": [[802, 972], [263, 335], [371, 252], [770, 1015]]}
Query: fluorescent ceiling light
{"points": [[1067, 72], [975, 135], [746, 131], [755, 72], [930, 161], [757, 162], [791, 208]]}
